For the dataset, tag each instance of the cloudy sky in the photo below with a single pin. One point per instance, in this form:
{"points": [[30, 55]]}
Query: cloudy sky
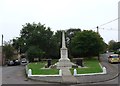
{"points": [[59, 15]]}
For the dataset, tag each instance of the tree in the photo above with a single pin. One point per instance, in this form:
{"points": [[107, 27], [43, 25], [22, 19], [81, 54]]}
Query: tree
{"points": [[70, 33], [114, 46], [8, 50], [57, 38], [19, 45], [111, 44], [86, 44], [34, 52], [39, 36], [36, 34], [117, 48]]}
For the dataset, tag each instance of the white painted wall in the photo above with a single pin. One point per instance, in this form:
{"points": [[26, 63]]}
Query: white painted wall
{"points": [[0, 66], [0, 55], [119, 21]]}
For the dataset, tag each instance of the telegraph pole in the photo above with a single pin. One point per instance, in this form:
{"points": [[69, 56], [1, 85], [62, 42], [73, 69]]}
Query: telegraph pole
{"points": [[97, 29], [98, 33], [2, 51]]}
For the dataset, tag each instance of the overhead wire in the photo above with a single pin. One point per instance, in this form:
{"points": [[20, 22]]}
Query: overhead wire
{"points": [[106, 24], [110, 21]]}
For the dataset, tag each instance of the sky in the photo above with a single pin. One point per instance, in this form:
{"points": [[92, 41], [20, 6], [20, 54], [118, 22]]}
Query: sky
{"points": [[59, 15]]}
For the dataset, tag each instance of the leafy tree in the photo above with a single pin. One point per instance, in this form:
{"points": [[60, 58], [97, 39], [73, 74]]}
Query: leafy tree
{"points": [[57, 38], [70, 33], [86, 43], [111, 44], [15, 44], [36, 35], [117, 45], [19, 45], [114, 46], [117, 48], [34, 52], [8, 50]]}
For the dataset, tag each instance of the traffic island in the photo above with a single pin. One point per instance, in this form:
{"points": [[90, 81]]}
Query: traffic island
{"points": [[58, 78]]}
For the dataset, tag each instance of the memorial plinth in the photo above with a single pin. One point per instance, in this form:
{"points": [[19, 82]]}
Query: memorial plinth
{"points": [[64, 61]]}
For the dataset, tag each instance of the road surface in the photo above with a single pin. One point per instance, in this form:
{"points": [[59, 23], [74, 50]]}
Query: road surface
{"points": [[16, 75]]}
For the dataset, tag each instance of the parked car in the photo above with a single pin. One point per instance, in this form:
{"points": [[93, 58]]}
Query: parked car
{"points": [[16, 62], [13, 62], [10, 63], [114, 58], [24, 61]]}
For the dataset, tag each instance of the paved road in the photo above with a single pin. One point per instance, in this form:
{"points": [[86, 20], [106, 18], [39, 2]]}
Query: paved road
{"points": [[16, 75], [114, 67]]}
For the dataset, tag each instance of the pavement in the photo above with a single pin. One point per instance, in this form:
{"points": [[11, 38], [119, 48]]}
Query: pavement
{"points": [[16, 75]]}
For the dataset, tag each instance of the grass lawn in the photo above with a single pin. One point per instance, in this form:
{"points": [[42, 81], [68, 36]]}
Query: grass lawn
{"points": [[36, 69], [91, 64], [54, 61], [92, 67]]}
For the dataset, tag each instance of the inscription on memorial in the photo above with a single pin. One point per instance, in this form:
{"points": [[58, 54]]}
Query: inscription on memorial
{"points": [[63, 52]]}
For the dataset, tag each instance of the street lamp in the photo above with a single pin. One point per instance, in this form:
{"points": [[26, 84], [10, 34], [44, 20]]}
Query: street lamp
{"points": [[97, 29]]}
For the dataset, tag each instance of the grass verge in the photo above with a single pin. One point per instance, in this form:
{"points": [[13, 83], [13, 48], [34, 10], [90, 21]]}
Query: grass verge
{"points": [[37, 69], [92, 66]]}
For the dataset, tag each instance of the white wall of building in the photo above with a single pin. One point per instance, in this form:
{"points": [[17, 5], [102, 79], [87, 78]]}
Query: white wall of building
{"points": [[119, 21], [0, 55]]}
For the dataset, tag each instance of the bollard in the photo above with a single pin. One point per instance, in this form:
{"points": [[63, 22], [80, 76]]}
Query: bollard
{"points": [[104, 70], [60, 72], [75, 72], [29, 72]]}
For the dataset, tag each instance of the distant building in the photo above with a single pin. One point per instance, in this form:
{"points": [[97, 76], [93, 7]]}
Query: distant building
{"points": [[119, 21]]}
